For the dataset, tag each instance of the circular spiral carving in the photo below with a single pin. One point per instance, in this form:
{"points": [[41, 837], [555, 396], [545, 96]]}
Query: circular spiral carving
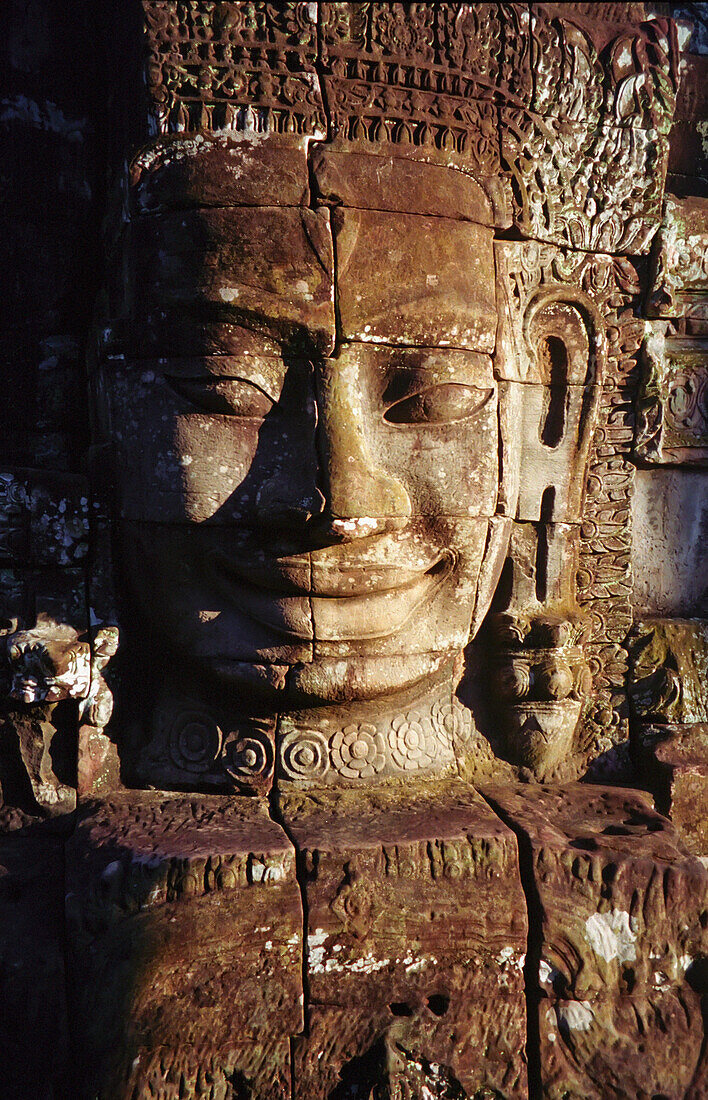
{"points": [[304, 755], [358, 751], [249, 756], [194, 741]]}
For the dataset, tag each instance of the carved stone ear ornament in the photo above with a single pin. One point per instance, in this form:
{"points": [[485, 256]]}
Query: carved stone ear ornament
{"points": [[540, 682]]}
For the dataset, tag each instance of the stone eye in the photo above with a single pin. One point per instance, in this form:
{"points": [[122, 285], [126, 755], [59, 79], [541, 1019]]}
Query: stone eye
{"points": [[440, 404], [224, 396]]}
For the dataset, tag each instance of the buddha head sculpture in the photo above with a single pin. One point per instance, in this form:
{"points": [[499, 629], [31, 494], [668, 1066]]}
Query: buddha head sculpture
{"points": [[326, 399]]}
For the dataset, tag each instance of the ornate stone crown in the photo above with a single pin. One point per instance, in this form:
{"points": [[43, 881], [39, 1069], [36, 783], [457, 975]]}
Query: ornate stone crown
{"points": [[572, 109]]}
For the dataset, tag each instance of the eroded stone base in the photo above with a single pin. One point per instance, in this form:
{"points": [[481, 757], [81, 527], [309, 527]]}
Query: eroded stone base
{"points": [[416, 939], [418, 942]]}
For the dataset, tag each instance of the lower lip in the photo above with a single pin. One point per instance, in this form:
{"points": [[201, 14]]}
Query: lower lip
{"points": [[307, 615]]}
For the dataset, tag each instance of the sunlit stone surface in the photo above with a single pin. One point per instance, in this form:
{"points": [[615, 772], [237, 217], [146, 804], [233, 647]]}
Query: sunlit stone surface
{"points": [[352, 559]]}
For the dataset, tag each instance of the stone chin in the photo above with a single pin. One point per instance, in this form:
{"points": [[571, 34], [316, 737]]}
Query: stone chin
{"points": [[345, 681], [333, 681]]}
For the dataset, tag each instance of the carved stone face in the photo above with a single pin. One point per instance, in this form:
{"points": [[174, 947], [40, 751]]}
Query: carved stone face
{"points": [[308, 469]]}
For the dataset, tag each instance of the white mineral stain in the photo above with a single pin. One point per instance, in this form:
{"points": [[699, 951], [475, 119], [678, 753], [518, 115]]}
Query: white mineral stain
{"points": [[420, 964], [369, 964], [316, 951], [545, 971], [612, 935], [507, 955], [228, 293], [363, 523], [576, 1015]]}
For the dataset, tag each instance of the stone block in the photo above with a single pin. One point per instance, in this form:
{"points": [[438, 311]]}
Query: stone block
{"points": [[669, 515], [423, 413], [409, 279], [679, 280], [210, 444], [203, 742], [569, 39], [184, 927], [555, 427], [416, 932], [216, 561], [618, 207], [269, 269], [429, 1049], [386, 180], [256, 1071], [622, 906], [420, 735], [428, 610], [672, 419], [14, 510], [226, 169], [625, 1047], [688, 155], [674, 756], [668, 670]]}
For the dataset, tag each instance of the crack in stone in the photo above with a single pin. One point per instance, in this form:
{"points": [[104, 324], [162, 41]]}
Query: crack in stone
{"points": [[534, 914]]}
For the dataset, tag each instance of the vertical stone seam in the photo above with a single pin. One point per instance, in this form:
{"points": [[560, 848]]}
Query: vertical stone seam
{"points": [[534, 912], [301, 875]]}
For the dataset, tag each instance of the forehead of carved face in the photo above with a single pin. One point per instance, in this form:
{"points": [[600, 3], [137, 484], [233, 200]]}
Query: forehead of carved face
{"points": [[307, 442]]}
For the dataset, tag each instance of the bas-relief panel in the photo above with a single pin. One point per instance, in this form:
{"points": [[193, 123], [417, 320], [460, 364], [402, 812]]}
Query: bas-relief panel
{"points": [[357, 543]]}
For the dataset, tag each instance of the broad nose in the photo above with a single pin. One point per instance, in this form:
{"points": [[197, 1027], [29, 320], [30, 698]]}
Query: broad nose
{"points": [[289, 497], [362, 499]]}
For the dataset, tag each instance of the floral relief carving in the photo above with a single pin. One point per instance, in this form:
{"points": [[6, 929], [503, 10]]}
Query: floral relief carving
{"points": [[358, 751], [412, 742], [452, 724]]}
